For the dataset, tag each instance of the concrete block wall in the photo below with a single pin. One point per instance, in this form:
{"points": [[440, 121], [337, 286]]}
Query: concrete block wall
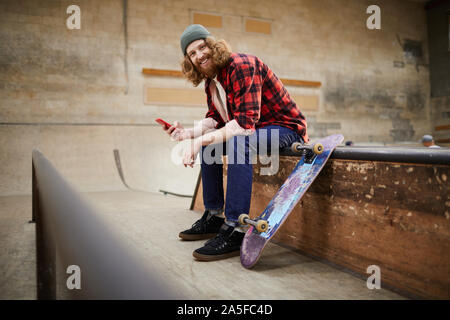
{"points": [[87, 86], [439, 47]]}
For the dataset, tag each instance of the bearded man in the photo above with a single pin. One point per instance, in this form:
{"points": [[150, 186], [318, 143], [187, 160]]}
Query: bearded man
{"points": [[248, 109]]}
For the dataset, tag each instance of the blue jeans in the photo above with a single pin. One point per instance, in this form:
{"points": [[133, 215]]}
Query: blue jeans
{"points": [[240, 169]]}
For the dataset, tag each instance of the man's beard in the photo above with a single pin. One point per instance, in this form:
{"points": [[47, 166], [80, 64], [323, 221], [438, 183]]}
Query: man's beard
{"points": [[210, 71]]}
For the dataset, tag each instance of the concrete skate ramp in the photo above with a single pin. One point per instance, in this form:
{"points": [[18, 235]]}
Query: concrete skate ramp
{"points": [[84, 154], [141, 219]]}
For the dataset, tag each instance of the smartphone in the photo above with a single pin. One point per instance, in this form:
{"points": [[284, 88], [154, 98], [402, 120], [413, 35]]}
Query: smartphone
{"points": [[163, 123]]}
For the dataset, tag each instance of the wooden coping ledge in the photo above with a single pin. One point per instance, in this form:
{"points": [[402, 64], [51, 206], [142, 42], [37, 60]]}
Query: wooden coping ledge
{"points": [[383, 206]]}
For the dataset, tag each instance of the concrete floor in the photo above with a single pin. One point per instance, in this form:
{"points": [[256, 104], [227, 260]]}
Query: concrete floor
{"points": [[150, 223]]}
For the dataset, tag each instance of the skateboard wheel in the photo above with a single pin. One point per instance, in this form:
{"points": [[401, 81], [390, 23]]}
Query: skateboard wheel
{"points": [[295, 146], [242, 218], [262, 226], [318, 148]]}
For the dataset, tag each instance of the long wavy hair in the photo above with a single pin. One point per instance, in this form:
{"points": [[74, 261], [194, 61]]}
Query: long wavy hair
{"points": [[221, 53]]}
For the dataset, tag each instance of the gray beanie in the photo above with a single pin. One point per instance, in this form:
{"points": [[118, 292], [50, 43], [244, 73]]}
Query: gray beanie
{"points": [[192, 33], [427, 138]]}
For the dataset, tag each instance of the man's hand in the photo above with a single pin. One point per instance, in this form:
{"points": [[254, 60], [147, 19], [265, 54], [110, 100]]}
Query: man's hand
{"points": [[191, 152], [178, 133]]}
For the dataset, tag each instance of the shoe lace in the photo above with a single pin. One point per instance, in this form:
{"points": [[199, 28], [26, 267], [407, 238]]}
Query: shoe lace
{"points": [[218, 239], [197, 224]]}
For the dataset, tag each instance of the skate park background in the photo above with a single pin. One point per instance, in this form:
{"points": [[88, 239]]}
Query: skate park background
{"points": [[79, 94]]}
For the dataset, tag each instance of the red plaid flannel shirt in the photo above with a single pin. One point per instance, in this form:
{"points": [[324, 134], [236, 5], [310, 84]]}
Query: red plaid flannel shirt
{"points": [[255, 97]]}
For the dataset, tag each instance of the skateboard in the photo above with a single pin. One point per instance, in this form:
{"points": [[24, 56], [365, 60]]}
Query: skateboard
{"points": [[263, 228]]}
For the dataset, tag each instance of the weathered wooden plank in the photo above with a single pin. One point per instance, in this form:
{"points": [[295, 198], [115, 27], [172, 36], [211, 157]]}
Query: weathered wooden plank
{"points": [[179, 74]]}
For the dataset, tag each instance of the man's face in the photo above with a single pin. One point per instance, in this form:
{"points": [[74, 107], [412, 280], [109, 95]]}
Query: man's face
{"points": [[427, 143], [200, 55]]}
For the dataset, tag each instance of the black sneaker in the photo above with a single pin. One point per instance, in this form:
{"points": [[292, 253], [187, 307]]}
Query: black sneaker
{"points": [[226, 244], [204, 228]]}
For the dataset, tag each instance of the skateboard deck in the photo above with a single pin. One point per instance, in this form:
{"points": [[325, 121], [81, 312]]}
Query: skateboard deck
{"points": [[285, 200]]}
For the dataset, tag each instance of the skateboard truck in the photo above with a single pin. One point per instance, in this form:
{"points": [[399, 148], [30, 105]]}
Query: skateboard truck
{"points": [[309, 151], [260, 225]]}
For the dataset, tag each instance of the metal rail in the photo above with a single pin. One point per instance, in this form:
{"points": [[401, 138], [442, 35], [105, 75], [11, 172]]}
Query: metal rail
{"points": [[388, 154], [70, 232]]}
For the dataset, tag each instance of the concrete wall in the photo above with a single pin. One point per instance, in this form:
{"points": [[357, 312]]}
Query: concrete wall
{"points": [[78, 94], [438, 22], [439, 47]]}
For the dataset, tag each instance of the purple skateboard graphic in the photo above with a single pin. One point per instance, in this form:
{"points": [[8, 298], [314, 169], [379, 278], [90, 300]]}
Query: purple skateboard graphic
{"points": [[285, 200]]}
